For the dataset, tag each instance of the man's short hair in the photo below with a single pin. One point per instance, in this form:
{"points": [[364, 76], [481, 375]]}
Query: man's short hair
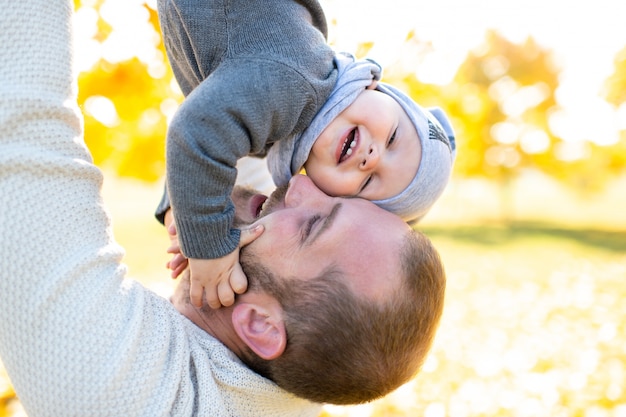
{"points": [[346, 349]]}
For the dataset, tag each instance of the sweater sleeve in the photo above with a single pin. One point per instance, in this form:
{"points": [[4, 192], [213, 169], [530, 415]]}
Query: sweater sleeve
{"points": [[75, 337], [243, 105]]}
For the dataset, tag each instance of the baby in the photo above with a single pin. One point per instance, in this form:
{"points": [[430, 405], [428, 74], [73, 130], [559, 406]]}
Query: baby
{"points": [[260, 79], [381, 147]]}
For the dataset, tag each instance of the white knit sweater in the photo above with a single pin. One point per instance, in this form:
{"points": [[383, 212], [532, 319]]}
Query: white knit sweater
{"points": [[76, 337]]}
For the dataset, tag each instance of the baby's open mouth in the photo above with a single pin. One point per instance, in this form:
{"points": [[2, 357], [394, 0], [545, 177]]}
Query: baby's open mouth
{"points": [[348, 146]]}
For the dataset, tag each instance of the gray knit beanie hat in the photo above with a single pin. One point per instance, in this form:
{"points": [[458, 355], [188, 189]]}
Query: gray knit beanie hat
{"points": [[287, 157], [438, 153]]}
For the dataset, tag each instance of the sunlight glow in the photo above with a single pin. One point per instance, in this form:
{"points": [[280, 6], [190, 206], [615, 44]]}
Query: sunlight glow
{"points": [[132, 33], [620, 117], [439, 68], [103, 110], [430, 364], [453, 27], [534, 141], [168, 107], [131, 36], [503, 88], [505, 156], [506, 133], [593, 120], [148, 120], [572, 151], [496, 67], [524, 98], [435, 410], [85, 28]]}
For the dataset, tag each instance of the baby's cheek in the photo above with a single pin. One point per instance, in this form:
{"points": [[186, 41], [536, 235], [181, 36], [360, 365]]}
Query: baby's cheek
{"points": [[338, 183], [324, 179]]}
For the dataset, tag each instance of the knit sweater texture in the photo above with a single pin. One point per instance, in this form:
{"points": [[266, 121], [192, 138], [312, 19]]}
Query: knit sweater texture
{"points": [[254, 72], [78, 338]]}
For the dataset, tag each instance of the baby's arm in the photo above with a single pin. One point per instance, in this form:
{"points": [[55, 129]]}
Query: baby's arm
{"points": [[229, 115], [204, 142]]}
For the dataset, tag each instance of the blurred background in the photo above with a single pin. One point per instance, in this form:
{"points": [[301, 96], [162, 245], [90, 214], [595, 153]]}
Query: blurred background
{"points": [[532, 228]]}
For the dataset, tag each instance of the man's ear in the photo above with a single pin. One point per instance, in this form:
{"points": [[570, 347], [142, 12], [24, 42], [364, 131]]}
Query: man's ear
{"points": [[261, 327]]}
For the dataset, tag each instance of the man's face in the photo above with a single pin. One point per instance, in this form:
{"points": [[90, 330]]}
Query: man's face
{"points": [[308, 232]]}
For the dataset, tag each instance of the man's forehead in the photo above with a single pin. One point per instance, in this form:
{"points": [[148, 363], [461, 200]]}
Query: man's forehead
{"points": [[372, 260]]}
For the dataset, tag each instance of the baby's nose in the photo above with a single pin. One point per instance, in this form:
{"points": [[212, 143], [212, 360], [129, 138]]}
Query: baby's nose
{"points": [[370, 159]]}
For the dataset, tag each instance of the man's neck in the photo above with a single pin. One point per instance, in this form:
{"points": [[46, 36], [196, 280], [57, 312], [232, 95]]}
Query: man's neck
{"points": [[217, 323]]}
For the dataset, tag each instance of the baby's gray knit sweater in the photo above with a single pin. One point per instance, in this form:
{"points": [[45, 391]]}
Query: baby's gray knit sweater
{"points": [[253, 72]]}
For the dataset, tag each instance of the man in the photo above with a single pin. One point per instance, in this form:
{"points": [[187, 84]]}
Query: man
{"points": [[342, 282], [79, 339]]}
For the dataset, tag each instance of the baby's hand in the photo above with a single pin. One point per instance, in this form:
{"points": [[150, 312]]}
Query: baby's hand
{"points": [[178, 263], [219, 279]]}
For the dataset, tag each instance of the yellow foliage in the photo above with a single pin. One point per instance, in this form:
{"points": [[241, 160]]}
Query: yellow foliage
{"points": [[126, 106], [7, 394], [615, 85], [363, 49]]}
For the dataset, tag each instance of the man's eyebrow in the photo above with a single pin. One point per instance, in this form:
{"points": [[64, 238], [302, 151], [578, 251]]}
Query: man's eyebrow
{"points": [[328, 222]]}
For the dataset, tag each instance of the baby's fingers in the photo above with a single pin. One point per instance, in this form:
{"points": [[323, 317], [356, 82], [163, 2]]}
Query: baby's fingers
{"points": [[225, 293], [196, 292], [213, 296], [249, 235], [176, 260], [177, 265], [238, 280], [175, 248]]}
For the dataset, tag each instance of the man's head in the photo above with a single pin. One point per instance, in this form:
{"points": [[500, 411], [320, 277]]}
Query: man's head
{"points": [[357, 293]]}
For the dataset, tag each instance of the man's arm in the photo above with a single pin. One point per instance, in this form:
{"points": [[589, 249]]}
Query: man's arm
{"points": [[74, 337]]}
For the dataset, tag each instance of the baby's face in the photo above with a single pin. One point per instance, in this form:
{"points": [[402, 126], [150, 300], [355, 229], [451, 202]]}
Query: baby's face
{"points": [[371, 150]]}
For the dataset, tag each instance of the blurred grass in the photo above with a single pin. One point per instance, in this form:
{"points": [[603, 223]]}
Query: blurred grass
{"points": [[530, 233], [534, 319]]}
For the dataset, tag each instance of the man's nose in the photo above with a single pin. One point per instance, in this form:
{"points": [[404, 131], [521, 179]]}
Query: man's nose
{"points": [[370, 159], [303, 190]]}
